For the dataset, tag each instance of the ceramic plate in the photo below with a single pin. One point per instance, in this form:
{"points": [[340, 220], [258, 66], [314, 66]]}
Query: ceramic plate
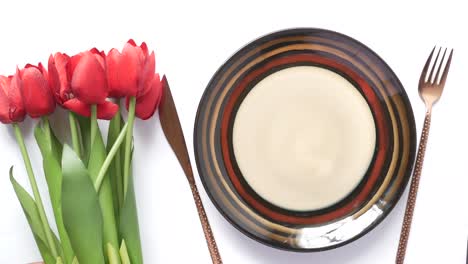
{"points": [[373, 119]]}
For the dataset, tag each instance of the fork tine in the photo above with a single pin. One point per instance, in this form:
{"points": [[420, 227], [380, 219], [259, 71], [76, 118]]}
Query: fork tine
{"points": [[446, 70], [429, 79], [437, 76], [426, 67]]}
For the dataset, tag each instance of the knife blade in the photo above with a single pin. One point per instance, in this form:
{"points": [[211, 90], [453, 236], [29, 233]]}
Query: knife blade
{"points": [[172, 129]]}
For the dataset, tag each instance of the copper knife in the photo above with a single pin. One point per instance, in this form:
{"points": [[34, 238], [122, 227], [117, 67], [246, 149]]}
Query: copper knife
{"points": [[173, 131]]}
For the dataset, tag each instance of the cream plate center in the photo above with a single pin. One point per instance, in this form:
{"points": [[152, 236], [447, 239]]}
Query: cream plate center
{"points": [[304, 138]]}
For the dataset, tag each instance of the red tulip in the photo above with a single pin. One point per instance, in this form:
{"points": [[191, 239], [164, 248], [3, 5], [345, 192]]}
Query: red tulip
{"points": [[89, 81], [11, 101], [147, 104], [130, 73], [37, 95], [79, 81], [59, 76]]}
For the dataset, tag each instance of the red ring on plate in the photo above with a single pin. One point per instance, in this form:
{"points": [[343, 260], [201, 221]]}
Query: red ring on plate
{"points": [[381, 144]]}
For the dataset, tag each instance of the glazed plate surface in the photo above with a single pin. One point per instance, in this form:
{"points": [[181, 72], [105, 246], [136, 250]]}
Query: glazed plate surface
{"points": [[305, 139]]}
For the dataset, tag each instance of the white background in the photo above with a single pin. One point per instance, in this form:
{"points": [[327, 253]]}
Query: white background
{"points": [[192, 39]]}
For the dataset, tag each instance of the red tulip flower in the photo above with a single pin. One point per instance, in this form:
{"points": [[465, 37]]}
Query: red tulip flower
{"points": [[131, 72], [11, 101], [80, 81], [89, 81], [37, 95], [147, 104]]}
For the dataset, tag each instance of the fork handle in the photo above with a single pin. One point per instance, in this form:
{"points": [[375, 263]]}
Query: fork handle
{"points": [[405, 229], [210, 240]]}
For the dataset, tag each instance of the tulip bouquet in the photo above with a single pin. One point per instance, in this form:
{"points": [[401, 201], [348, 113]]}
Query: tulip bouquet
{"points": [[89, 182]]}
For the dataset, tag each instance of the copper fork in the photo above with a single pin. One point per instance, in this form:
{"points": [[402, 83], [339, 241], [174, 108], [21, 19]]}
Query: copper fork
{"points": [[430, 90]]}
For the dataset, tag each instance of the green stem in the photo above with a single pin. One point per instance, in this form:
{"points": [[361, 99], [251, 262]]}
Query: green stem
{"points": [[74, 133], [93, 124], [128, 142], [112, 254], [124, 253], [118, 169], [35, 189], [114, 150]]}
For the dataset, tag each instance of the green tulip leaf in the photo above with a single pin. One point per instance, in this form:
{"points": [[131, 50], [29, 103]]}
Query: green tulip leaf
{"points": [[97, 156], [81, 211], [115, 171], [32, 215], [129, 228], [47, 141], [44, 250], [85, 132], [57, 146], [51, 155], [122, 160], [51, 164], [41, 139]]}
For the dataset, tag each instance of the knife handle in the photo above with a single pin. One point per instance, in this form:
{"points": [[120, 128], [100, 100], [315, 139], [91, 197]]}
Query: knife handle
{"points": [[210, 240]]}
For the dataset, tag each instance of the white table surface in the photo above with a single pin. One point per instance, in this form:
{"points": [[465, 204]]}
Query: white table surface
{"points": [[192, 39]]}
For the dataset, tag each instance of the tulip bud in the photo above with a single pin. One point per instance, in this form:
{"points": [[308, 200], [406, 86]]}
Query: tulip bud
{"points": [[59, 79], [130, 73], [11, 101], [89, 81], [37, 95], [122, 73]]}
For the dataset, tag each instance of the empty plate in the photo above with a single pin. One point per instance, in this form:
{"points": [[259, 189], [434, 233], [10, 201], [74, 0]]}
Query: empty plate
{"points": [[305, 139]]}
